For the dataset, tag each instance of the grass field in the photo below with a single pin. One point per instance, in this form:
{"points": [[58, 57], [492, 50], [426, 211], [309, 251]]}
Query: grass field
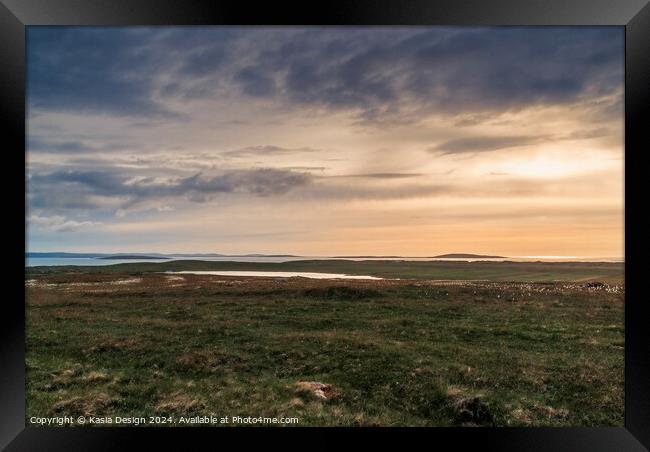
{"points": [[126, 340]]}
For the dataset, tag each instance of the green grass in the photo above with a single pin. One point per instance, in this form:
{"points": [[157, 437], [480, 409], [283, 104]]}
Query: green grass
{"points": [[394, 352]]}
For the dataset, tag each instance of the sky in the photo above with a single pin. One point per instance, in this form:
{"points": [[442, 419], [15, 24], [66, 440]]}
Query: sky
{"points": [[321, 141]]}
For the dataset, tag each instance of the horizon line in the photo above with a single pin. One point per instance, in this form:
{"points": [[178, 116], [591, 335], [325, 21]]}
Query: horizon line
{"points": [[495, 256]]}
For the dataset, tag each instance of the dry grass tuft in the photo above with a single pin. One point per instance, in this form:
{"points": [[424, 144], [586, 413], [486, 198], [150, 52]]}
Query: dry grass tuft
{"points": [[95, 376], [454, 391], [550, 412], [178, 402], [320, 391], [296, 402], [88, 405]]}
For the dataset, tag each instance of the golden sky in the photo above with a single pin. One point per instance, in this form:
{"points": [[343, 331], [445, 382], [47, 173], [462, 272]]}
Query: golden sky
{"points": [[411, 141]]}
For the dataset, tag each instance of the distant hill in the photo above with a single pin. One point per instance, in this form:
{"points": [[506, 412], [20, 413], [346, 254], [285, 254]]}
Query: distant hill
{"points": [[65, 255], [194, 255], [132, 257], [144, 256], [466, 256], [369, 257], [442, 256], [208, 255], [260, 255]]}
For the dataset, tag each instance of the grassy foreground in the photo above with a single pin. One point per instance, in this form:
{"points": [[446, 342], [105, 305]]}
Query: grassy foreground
{"points": [[129, 342]]}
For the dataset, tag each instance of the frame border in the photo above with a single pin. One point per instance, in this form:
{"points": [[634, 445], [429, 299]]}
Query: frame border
{"points": [[634, 15]]}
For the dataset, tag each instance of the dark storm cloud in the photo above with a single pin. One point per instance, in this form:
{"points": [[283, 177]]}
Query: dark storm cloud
{"points": [[452, 70], [106, 70], [398, 73], [76, 189]]}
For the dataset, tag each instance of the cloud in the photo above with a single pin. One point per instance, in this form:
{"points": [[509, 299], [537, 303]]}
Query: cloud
{"points": [[100, 70], [106, 142], [307, 168], [495, 143], [379, 73], [255, 82], [38, 144], [204, 60], [334, 189], [266, 150], [588, 134], [483, 144], [92, 188], [46, 145], [382, 175], [59, 223], [261, 182], [452, 70]]}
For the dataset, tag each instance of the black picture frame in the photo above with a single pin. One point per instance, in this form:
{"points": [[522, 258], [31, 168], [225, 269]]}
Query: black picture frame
{"points": [[634, 15]]}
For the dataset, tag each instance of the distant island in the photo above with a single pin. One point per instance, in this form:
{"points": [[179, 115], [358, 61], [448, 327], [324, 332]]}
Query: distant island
{"points": [[466, 256], [260, 255], [442, 256], [130, 256], [369, 257], [60, 255], [160, 256]]}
